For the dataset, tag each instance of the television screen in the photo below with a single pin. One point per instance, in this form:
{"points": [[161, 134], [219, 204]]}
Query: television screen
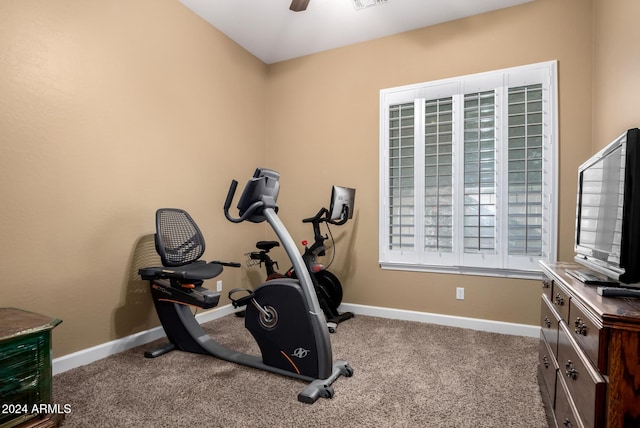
{"points": [[600, 206]]}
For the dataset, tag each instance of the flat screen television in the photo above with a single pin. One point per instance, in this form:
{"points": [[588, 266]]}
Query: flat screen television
{"points": [[607, 238]]}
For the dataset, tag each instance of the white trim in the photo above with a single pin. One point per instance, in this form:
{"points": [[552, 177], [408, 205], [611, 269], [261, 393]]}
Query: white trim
{"points": [[87, 356], [554, 138], [462, 270], [501, 327], [98, 352]]}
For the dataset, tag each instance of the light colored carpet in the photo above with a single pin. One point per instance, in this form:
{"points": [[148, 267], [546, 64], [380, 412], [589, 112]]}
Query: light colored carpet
{"points": [[407, 374]]}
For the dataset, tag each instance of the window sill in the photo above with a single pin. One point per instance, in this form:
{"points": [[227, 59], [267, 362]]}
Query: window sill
{"points": [[464, 270]]}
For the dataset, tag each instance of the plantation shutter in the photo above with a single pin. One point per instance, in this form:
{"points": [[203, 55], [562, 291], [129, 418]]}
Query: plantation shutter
{"points": [[438, 175], [401, 176], [525, 170], [479, 173]]}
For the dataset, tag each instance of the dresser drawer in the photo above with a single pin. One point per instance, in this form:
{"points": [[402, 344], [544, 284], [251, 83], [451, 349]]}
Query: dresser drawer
{"points": [[548, 369], [584, 383], [565, 411], [587, 331], [549, 324], [547, 287], [560, 300]]}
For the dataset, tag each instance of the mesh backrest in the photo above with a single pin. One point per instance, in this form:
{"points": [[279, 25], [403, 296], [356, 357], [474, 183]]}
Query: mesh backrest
{"points": [[178, 238]]}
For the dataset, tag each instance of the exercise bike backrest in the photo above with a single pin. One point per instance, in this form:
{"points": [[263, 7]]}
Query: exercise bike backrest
{"points": [[178, 239], [260, 192]]}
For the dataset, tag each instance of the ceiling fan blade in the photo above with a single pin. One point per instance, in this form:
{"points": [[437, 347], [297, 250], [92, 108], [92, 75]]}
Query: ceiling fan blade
{"points": [[299, 5]]}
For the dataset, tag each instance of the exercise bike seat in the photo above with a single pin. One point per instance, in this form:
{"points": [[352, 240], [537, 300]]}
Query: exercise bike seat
{"points": [[180, 244], [196, 271], [267, 245]]}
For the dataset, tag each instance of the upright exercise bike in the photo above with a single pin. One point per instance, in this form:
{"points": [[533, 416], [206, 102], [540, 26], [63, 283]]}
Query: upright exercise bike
{"points": [[283, 316], [327, 285]]}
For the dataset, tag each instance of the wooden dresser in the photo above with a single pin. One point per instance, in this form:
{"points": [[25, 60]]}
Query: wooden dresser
{"points": [[589, 359]]}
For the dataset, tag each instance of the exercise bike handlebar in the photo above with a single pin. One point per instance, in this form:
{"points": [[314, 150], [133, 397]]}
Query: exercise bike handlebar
{"points": [[318, 218], [323, 216], [227, 204], [230, 194], [229, 264], [344, 217]]}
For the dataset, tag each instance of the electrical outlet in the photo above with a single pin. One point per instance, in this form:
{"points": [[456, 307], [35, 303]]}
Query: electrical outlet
{"points": [[460, 293], [219, 286]]}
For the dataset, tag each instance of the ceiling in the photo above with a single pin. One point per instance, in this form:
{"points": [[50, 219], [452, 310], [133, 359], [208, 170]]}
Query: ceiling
{"points": [[273, 33]]}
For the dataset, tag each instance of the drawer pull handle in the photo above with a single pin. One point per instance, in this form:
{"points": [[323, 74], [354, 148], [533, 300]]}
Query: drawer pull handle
{"points": [[546, 284], [545, 362], [558, 300], [581, 327], [547, 322], [567, 423], [570, 370]]}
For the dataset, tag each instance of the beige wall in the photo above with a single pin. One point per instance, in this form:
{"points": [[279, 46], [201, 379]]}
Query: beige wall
{"points": [[108, 111], [616, 88], [323, 121]]}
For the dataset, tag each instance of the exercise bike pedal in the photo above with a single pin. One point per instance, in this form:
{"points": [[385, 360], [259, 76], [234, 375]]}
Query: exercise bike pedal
{"points": [[242, 301]]}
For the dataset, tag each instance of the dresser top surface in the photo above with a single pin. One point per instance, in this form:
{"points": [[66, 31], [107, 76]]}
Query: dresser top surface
{"points": [[17, 322], [610, 309]]}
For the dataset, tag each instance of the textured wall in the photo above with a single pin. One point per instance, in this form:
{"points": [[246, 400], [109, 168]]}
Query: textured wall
{"points": [[108, 111], [616, 69]]}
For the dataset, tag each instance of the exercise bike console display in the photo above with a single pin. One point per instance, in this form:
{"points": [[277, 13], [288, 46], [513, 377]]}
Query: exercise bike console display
{"points": [[342, 201], [260, 192]]}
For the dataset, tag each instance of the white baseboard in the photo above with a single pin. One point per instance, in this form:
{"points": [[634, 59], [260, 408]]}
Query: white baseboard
{"points": [[87, 356], [449, 320]]}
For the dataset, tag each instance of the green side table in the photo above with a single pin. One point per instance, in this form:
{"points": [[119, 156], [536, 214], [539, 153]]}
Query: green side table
{"points": [[25, 364]]}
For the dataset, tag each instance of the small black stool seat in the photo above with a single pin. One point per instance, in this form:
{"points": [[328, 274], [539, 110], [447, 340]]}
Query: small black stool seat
{"points": [[267, 245]]}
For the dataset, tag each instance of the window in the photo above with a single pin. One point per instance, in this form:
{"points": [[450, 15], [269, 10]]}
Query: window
{"points": [[468, 173]]}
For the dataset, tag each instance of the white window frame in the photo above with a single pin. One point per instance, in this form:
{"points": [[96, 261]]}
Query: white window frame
{"points": [[500, 264]]}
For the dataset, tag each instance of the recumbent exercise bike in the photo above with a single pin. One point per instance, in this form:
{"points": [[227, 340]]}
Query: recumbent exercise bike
{"points": [[283, 315]]}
